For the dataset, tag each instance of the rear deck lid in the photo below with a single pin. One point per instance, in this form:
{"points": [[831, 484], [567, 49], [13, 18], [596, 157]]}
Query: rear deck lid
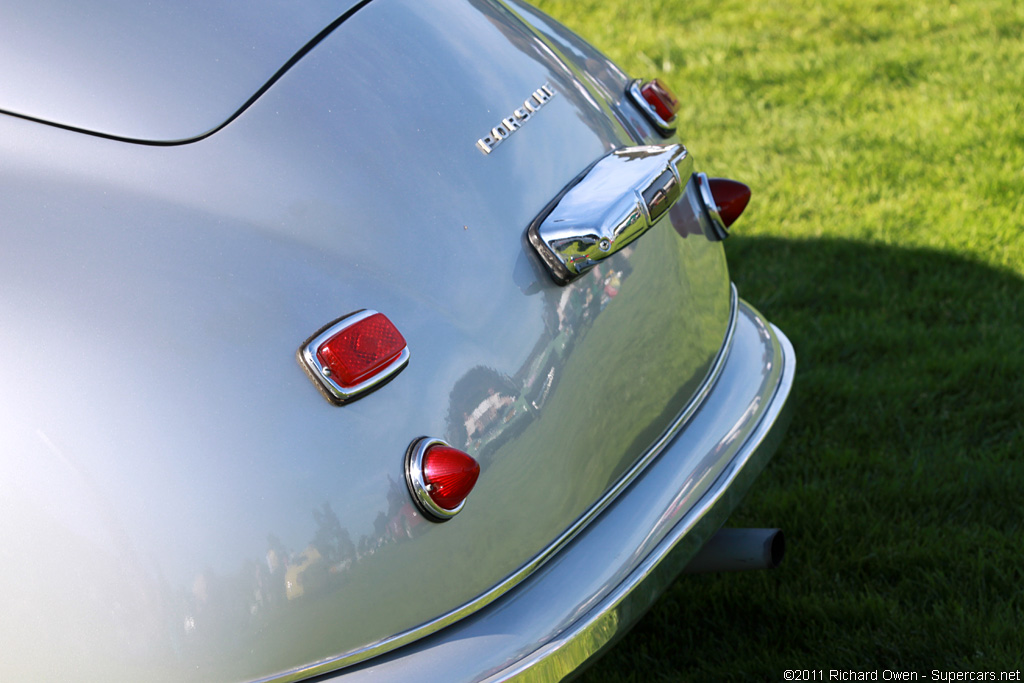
{"points": [[151, 71]]}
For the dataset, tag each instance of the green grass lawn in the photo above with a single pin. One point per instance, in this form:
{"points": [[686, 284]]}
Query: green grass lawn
{"points": [[884, 142]]}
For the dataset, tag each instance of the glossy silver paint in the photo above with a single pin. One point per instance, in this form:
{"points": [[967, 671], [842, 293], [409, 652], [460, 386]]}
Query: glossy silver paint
{"points": [[585, 598], [616, 201], [176, 502], [161, 72], [413, 468]]}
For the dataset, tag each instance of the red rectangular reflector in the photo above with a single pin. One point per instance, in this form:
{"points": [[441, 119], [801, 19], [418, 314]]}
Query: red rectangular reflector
{"points": [[357, 353]]}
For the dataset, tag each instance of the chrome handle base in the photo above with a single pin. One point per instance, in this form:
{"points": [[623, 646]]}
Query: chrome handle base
{"points": [[614, 202]]}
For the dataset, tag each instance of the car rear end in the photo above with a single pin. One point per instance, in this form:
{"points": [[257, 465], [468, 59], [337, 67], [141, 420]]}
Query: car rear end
{"points": [[183, 499]]}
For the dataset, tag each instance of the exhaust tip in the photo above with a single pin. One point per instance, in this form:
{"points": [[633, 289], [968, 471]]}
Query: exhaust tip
{"points": [[732, 550], [777, 548]]}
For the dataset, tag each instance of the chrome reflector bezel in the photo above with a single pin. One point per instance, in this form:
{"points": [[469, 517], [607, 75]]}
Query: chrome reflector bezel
{"points": [[666, 128], [321, 375], [414, 477]]}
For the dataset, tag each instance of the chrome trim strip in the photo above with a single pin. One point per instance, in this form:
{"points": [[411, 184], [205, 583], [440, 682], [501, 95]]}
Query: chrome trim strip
{"points": [[398, 640], [666, 128], [321, 376], [418, 485], [718, 227], [599, 627]]}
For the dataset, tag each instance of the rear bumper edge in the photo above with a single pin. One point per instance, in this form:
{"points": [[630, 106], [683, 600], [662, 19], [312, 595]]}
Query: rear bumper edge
{"points": [[597, 630]]}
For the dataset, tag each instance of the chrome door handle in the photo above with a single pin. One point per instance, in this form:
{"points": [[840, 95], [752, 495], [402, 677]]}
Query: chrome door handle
{"points": [[614, 202]]}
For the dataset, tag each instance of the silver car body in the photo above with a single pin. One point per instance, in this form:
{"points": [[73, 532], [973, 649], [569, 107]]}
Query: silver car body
{"points": [[190, 190]]}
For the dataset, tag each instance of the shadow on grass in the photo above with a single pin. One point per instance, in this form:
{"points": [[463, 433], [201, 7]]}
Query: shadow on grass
{"points": [[899, 483]]}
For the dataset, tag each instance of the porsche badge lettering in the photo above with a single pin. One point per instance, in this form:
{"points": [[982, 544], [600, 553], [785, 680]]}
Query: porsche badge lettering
{"points": [[517, 118]]}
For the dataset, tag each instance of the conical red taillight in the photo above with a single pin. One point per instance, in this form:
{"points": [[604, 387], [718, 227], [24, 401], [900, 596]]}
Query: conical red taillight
{"points": [[439, 477], [731, 196], [724, 200], [450, 475]]}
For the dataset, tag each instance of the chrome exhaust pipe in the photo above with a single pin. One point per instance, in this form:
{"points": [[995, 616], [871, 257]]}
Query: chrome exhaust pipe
{"points": [[733, 550]]}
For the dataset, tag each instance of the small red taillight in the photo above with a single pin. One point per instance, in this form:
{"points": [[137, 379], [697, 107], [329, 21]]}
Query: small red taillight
{"points": [[361, 350], [661, 98], [439, 477], [657, 102], [731, 196], [724, 200], [450, 475], [354, 355]]}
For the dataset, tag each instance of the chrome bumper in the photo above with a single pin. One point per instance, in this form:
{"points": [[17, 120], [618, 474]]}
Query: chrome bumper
{"points": [[596, 587]]}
